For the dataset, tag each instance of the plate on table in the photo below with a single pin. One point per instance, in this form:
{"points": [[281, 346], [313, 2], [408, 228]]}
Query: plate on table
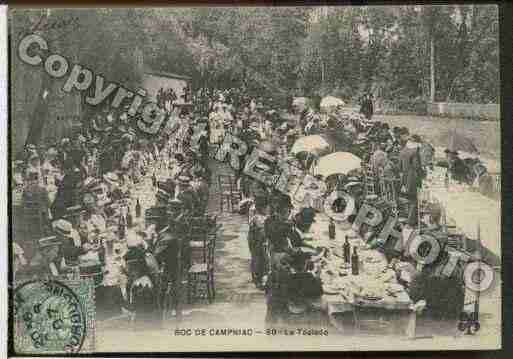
{"points": [[372, 298], [368, 297], [345, 266], [394, 288]]}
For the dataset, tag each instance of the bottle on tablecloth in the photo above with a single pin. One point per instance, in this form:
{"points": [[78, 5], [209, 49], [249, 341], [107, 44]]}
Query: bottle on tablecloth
{"points": [[101, 252], [122, 226], [138, 209], [129, 218], [154, 179], [331, 229], [347, 251], [355, 261]]}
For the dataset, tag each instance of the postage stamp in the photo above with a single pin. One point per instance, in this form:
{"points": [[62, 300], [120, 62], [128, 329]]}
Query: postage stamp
{"points": [[54, 317]]}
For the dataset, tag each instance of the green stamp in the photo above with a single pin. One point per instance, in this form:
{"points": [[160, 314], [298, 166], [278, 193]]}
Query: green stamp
{"points": [[53, 317]]}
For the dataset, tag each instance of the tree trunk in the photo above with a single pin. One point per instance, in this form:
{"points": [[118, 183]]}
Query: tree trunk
{"points": [[40, 113], [322, 74], [432, 68]]}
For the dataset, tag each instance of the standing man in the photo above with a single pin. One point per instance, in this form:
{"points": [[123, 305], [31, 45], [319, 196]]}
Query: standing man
{"points": [[277, 231], [257, 242], [378, 159], [173, 254], [35, 201], [411, 177], [370, 106]]}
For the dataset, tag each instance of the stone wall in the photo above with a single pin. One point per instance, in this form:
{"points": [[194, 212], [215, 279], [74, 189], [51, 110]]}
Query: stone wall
{"points": [[466, 110]]}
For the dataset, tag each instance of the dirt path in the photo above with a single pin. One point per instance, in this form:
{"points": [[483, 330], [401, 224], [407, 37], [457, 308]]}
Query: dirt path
{"points": [[236, 296]]}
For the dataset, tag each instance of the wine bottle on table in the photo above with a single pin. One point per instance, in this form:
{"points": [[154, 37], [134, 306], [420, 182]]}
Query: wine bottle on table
{"points": [[332, 230], [138, 209], [122, 226], [354, 262], [101, 252], [154, 180], [347, 251], [129, 218]]}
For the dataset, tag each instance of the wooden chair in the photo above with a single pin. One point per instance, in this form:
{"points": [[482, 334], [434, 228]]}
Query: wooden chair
{"points": [[73, 215], [228, 191], [402, 203], [455, 239], [94, 271], [369, 183], [198, 230], [425, 202], [201, 275], [388, 192], [212, 239]]}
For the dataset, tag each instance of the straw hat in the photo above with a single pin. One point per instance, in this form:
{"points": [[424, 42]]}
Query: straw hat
{"points": [[63, 228], [52, 152], [89, 183], [111, 178], [184, 179]]}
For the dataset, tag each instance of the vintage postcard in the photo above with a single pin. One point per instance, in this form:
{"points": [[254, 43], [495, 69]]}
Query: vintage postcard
{"points": [[254, 179]]}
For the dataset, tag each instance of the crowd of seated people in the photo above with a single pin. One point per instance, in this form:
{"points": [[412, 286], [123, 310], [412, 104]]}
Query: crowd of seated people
{"points": [[86, 190]]}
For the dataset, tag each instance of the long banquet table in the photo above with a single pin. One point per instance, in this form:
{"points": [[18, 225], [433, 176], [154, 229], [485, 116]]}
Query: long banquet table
{"points": [[375, 287]]}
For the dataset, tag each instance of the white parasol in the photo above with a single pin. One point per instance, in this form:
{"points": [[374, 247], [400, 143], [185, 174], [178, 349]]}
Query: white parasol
{"points": [[331, 102], [337, 163]]}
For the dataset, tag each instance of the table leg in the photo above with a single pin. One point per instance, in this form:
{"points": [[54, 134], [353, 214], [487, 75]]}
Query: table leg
{"points": [[412, 324]]}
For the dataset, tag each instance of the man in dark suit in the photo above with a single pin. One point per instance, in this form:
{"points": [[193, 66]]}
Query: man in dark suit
{"points": [[67, 192], [411, 177], [169, 253]]}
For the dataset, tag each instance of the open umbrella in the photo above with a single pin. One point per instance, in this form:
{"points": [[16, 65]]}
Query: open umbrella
{"points": [[330, 102], [315, 144], [337, 163], [457, 142]]}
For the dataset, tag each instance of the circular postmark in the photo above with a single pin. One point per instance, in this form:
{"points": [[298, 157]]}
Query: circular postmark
{"points": [[48, 318]]}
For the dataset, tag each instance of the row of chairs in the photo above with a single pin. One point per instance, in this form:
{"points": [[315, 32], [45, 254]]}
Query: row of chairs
{"points": [[229, 192], [200, 274], [378, 186], [197, 279]]}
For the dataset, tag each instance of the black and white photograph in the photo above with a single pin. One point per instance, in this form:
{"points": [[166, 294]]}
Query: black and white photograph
{"points": [[239, 179]]}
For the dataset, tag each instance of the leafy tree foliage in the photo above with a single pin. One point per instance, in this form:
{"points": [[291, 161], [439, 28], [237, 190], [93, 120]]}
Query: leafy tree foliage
{"points": [[273, 52]]}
